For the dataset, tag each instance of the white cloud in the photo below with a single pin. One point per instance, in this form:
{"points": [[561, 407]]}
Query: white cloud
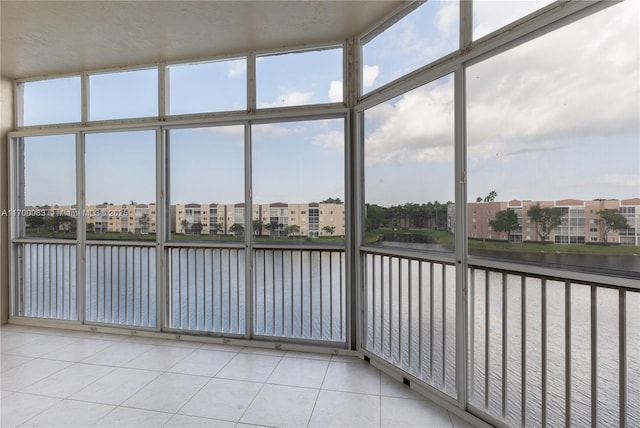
{"points": [[236, 68], [489, 15], [446, 19], [274, 130], [419, 126], [369, 74], [332, 140], [335, 91], [536, 97], [292, 98]]}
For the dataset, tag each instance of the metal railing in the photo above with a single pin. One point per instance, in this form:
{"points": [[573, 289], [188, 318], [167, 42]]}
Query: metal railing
{"points": [[300, 293], [121, 284], [206, 289], [46, 286], [410, 316], [553, 351]]}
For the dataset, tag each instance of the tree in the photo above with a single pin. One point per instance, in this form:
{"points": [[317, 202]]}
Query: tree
{"points": [[292, 230], [376, 216], [90, 227], [273, 227], [505, 221], [331, 201], [144, 223], [237, 229], [257, 227], [546, 219], [217, 228], [489, 198], [35, 222], [611, 220], [196, 228], [329, 230], [185, 225]]}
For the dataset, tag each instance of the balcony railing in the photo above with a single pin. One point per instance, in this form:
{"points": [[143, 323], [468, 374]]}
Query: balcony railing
{"points": [[46, 280], [543, 349], [120, 284], [206, 290]]}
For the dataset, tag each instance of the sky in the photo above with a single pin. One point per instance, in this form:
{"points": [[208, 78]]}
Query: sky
{"points": [[555, 118]]}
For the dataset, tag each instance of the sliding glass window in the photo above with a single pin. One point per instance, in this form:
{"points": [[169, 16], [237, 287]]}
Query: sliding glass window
{"points": [[120, 185], [409, 169], [299, 78], [298, 181], [206, 176], [51, 101], [208, 86], [49, 188], [553, 147], [424, 35]]}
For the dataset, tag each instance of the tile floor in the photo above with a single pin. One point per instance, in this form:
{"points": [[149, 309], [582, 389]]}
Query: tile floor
{"points": [[63, 378]]}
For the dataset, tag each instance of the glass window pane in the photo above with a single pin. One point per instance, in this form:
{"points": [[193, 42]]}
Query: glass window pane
{"points": [[489, 15], [424, 35], [122, 95], [50, 186], [120, 169], [548, 124], [207, 183], [208, 87], [298, 181], [52, 101], [299, 78], [409, 169]]}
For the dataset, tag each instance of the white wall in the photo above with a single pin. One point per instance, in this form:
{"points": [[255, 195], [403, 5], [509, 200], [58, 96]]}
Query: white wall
{"points": [[6, 124]]}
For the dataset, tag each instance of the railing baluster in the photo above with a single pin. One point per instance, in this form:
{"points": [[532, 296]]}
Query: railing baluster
{"points": [[400, 308], [320, 286], [543, 399], [420, 284], [410, 317], [471, 330], [220, 288], [331, 253], [487, 336], [431, 315], [622, 350], [567, 351], [444, 326], [504, 345], [594, 356], [523, 348], [282, 293]]}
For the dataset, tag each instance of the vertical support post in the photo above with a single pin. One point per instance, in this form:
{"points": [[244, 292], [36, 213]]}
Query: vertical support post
{"points": [[81, 227], [84, 93], [622, 349], [162, 204], [163, 92], [354, 201], [248, 210], [460, 229]]}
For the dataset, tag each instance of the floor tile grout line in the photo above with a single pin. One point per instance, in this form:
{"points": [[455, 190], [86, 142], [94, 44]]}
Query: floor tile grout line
{"points": [[315, 403], [261, 388], [207, 382]]}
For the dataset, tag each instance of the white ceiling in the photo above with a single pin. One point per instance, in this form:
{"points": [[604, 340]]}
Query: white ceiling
{"points": [[42, 38]]}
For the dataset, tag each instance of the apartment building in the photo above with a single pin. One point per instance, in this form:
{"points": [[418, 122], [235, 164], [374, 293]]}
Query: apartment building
{"points": [[580, 221], [275, 219]]}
